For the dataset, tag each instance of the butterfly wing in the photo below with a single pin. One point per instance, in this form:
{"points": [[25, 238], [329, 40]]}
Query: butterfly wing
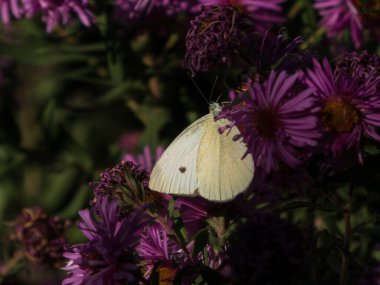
{"points": [[176, 172], [222, 174]]}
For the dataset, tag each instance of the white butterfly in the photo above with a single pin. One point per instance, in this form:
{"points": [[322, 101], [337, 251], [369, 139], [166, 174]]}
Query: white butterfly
{"points": [[203, 161]]}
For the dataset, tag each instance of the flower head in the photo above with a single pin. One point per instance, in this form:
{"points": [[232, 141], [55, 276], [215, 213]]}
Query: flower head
{"points": [[159, 250], [275, 51], [126, 182], [134, 9], [214, 38], [8, 8], [41, 236], [275, 120], [167, 256], [108, 257], [349, 108], [59, 12], [265, 13], [264, 250], [359, 64], [340, 15]]}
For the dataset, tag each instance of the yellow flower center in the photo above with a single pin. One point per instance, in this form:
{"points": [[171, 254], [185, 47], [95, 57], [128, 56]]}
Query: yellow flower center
{"points": [[266, 123], [340, 116]]}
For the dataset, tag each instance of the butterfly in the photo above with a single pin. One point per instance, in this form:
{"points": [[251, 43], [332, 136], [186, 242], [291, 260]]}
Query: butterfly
{"points": [[201, 161]]}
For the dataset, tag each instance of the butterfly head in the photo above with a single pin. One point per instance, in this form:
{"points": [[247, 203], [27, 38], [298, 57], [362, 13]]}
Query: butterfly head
{"points": [[215, 108]]}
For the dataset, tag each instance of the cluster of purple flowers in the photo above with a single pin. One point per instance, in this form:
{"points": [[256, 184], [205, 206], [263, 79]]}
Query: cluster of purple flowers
{"points": [[292, 106], [53, 13], [287, 118], [150, 236], [291, 112], [41, 236]]}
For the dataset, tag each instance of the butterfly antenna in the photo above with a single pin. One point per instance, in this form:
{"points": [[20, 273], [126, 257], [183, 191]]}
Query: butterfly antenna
{"points": [[213, 87], [220, 95], [199, 90]]}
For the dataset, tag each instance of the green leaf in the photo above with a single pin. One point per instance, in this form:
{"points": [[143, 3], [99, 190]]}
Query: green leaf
{"points": [[200, 241], [57, 184], [116, 68], [79, 201]]}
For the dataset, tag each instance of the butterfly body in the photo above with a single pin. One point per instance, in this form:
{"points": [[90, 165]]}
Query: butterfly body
{"points": [[201, 161]]}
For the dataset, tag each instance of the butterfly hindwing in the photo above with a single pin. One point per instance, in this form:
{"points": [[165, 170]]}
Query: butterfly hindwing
{"points": [[222, 173]]}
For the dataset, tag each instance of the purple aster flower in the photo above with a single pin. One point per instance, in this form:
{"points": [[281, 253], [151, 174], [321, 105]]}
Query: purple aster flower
{"points": [[359, 64], [41, 236], [136, 8], [145, 160], [125, 182], [108, 257], [275, 51], [340, 15], [157, 249], [265, 13], [8, 8], [215, 37], [276, 121], [165, 255], [59, 12], [264, 250], [349, 109]]}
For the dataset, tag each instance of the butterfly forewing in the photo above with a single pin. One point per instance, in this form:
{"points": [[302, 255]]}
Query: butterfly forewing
{"points": [[175, 171]]}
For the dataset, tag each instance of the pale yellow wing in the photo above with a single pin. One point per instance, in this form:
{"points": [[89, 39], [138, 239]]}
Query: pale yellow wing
{"points": [[222, 174], [176, 172]]}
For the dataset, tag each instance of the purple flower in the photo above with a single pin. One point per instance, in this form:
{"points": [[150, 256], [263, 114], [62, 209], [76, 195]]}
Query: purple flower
{"points": [[8, 8], [340, 15], [215, 37], [275, 51], [275, 121], [359, 64], [349, 108], [136, 8], [168, 257], [264, 250], [145, 160], [59, 12], [108, 257], [41, 236], [156, 248], [194, 213], [265, 13], [125, 182]]}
